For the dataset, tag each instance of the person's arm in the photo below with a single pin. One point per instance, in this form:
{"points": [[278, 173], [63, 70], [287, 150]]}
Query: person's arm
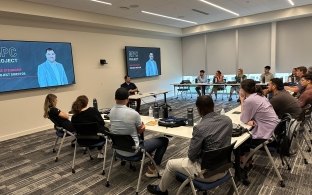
{"points": [[63, 74], [133, 90], [195, 145], [294, 89], [147, 68], [303, 99], [221, 79], [64, 115], [41, 76], [139, 124]]}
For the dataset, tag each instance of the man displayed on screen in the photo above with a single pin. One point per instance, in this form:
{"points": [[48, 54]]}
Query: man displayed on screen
{"points": [[151, 66], [50, 72]]}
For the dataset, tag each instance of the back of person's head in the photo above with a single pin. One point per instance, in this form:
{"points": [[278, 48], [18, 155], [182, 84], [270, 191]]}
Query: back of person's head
{"points": [[80, 103], [307, 77], [202, 71], [302, 69], [125, 77], [121, 94], [249, 86], [204, 105], [49, 102], [310, 70], [267, 67], [278, 83]]}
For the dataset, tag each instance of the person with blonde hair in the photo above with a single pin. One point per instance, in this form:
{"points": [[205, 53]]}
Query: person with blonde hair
{"points": [[238, 79], [57, 116]]}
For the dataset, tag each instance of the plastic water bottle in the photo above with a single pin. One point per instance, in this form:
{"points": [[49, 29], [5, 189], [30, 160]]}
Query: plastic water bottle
{"points": [[222, 112], [150, 111], [95, 105]]}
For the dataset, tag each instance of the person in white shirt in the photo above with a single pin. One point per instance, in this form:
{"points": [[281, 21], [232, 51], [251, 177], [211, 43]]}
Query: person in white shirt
{"points": [[201, 78]]}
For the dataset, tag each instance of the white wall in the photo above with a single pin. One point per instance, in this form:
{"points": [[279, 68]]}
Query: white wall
{"points": [[21, 112]]}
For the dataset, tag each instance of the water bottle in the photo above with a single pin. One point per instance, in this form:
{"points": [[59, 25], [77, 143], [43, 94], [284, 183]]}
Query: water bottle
{"points": [[222, 111], [95, 104], [190, 117], [156, 111], [150, 111]]}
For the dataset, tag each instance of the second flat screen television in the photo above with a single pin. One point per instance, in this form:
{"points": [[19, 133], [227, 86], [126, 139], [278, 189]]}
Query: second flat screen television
{"points": [[142, 61]]}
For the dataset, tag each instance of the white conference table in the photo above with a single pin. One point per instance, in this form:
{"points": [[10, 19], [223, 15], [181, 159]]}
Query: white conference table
{"points": [[186, 131], [147, 94]]}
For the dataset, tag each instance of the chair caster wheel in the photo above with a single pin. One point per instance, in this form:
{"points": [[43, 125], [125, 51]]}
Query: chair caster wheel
{"points": [[103, 173], [73, 171], [246, 182], [56, 159], [91, 158], [289, 168], [107, 184], [309, 150], [305, 161], [133, 168], [282, 184], [123, 163], [53, 150]]}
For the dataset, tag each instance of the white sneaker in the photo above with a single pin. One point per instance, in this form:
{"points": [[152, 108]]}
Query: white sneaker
{"points": [[100, 155]]}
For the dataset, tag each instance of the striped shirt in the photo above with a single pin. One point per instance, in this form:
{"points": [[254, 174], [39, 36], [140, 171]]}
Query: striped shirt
{"points": [[214, 131]]}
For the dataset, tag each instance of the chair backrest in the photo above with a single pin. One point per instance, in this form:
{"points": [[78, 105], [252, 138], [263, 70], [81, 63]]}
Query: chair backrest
{"points": [[87, 130], [122, 142], [283, 135], [57, 126], [214, 159]]}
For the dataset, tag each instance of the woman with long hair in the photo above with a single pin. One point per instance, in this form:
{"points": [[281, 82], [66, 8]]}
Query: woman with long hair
{"points": [[84, 114], [218, 78], [57, 116]]}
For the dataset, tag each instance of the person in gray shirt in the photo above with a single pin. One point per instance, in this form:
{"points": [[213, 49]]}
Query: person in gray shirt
{"points": [[201, 78], [214, 131]]}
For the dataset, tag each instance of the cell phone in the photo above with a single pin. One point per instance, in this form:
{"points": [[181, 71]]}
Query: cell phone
{"points": [[236, 112]]}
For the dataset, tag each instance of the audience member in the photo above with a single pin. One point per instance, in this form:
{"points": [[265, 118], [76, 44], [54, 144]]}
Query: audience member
{"points": [[282, 101], [132, 88], [238, 79], [267, 75], [257, 112], [310, 70], [201, 78], [84, 114], [126, 121], [214, 131], [306, 97], [301, 70], [293, 78], [56, 115], [218, 78]]}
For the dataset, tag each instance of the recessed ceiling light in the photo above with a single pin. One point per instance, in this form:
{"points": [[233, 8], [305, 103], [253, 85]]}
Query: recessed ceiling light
{"points": [[219, 7], [291, 2], [172, 18], [98, 1]]}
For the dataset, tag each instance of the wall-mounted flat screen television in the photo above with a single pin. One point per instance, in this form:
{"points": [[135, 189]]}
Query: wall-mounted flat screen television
{"points": [[142, 61], [33, 64]]}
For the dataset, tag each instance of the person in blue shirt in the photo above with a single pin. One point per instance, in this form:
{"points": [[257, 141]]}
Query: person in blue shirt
{"points": [[151, 66], [50, 72]]}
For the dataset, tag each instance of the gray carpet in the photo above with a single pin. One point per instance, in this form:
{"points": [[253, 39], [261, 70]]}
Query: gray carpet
{"points": [[27, 166]]}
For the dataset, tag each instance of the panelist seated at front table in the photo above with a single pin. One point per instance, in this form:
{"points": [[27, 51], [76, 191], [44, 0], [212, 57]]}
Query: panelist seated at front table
{"points": [[217, 79], [132, 88], [238, 79]]}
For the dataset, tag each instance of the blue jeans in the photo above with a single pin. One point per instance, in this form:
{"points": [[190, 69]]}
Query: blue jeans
{"points": [[157, 144]]}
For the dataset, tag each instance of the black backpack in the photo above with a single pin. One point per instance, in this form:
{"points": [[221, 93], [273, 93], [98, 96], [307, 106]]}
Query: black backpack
{"points": [[172, 121]]}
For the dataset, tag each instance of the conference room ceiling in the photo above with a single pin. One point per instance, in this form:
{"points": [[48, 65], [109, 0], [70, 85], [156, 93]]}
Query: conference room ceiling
{"points": [[191, 10]]}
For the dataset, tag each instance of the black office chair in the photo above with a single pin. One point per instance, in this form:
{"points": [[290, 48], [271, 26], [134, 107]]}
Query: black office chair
{"points": [[87, 135], [126, 143], [213, 162], [184, 89], [60, 133]]}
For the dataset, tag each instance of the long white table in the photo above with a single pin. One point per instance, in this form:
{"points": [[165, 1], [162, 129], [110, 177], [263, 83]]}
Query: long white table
{"points": [[186, 131]]}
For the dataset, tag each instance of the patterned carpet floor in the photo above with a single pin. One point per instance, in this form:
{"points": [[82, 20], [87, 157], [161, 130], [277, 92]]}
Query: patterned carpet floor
{"points": [[27, 166]]}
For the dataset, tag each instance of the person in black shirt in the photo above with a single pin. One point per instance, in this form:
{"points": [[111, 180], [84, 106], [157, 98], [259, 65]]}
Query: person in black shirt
{"points": [[84, 114], [132, 88], [58, 117]]}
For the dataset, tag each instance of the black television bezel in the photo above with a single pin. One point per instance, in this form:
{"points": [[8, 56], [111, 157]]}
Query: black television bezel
{"points": [[126, 62], [48, 87]]}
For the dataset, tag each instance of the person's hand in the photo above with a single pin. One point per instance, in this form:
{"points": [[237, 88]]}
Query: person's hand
{"points": [[242, 95], [251, 123], [265, 92], [141, 128]]}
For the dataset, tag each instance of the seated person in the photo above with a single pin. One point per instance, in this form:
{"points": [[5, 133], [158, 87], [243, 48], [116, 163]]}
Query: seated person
{"points": [[214, 131], [132, 88], [238, 78], [267, 75], [201, 78], [84, 114], [306, 97], [218, 78], [257, 112], [297, 89], [282, 101], [293, 78], [56, 115], [126, 121]]}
